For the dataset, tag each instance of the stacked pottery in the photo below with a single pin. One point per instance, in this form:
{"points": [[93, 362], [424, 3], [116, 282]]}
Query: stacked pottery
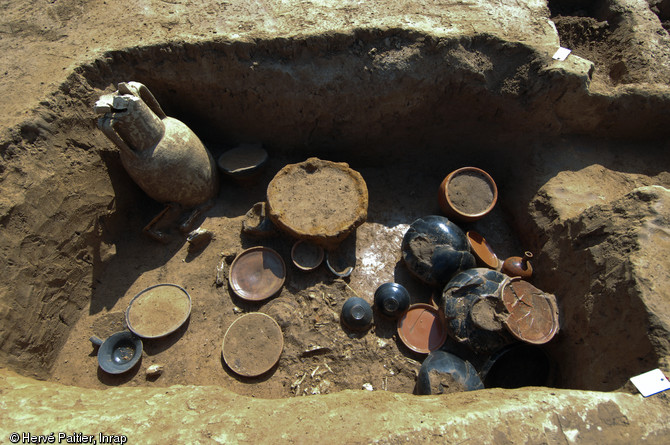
{"points": [[474, 312]]}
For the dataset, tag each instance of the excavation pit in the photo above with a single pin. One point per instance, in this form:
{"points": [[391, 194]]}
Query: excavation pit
{"points": [[404, 108]]}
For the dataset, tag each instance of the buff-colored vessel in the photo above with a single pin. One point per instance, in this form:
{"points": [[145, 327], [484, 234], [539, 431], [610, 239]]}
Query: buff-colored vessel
{"points": [[162, 155]]}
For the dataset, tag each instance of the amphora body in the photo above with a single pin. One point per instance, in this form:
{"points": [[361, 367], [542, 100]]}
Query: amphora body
{"points": [[161, 154]]}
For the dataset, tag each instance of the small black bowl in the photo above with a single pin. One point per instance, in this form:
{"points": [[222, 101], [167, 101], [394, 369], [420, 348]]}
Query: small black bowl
{"points": [[356, 314], [391, 299]]}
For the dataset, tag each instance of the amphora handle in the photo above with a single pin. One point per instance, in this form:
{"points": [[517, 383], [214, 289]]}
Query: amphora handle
{"points": [[141, 91]]}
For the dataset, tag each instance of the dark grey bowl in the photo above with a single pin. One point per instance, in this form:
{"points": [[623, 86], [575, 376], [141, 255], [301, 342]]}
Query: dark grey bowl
{"points": [[119, 353]]}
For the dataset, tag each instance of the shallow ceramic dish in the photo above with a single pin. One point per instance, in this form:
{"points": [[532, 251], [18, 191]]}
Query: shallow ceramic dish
{"points": [[306, 256], [482, 250], [158, 310], [243, 162], [257, 273], [422, 329], [252, 344]]}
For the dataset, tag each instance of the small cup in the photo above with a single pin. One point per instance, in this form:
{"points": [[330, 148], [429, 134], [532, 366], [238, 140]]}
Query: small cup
{"points": [[356, 314], [391, 299]]}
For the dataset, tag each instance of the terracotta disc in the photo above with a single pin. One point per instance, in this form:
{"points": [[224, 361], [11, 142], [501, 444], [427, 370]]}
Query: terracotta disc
{"points": [[257, 273], [321, 201], [158, 310], [422, 329], [252, 344], [533, 314]]}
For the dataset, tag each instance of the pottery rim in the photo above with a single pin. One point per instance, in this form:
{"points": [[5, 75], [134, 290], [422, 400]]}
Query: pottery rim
{"points": [[448, 207], [306, 244]]}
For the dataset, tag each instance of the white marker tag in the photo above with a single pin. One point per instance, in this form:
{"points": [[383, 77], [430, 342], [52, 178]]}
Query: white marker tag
{"points": [[562, 53], [651, 382]]}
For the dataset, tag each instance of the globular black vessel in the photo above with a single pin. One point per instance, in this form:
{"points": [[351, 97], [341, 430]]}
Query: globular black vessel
{"points": [[435, 249], [460, 375]]}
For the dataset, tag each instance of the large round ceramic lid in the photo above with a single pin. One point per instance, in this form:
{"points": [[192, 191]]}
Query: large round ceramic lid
{"points": [[158, 310], [321, 201], [252, 344], [533, 314], [257, 273]]}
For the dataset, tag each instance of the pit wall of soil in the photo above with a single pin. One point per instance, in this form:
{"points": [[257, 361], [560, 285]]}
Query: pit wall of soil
{"points": [[370, 97]]}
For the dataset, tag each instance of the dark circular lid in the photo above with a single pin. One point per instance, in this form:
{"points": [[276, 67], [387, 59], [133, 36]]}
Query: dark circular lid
{"points": [[392, 299], [257, 273], [422, 329], [533, 314], [252, 344]]}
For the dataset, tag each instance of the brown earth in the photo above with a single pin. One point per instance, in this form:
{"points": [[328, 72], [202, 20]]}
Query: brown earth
{"points": [[404, 92]]}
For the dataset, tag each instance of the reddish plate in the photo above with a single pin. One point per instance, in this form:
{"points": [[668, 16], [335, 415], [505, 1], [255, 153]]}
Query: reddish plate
{"points": [[422, 329], [533, 314], [257, 273]]}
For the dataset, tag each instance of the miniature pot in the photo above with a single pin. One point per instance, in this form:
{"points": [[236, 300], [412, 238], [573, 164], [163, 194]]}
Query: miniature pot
{"points": [[434, 249], [518, 267], [392, 299], [467, 194]]}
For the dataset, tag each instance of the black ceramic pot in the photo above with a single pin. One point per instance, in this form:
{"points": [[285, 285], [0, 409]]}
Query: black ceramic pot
{"points": [[434, 249], [443, 373], [473, 310]]}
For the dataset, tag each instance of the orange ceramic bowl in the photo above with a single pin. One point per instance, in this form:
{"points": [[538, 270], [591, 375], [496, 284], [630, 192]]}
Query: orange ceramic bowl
{"points": [[467, 194]]}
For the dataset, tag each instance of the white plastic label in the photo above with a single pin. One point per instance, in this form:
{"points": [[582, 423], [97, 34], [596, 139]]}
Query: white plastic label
{"points": [[562, 53], [651, 382]]}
